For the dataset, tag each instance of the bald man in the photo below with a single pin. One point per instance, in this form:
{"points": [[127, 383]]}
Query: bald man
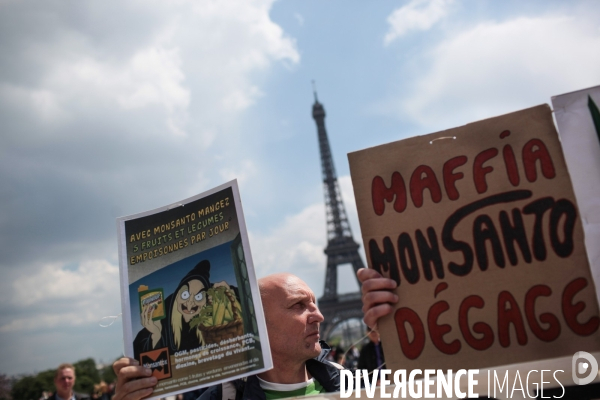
{"points": [[299, 365]]}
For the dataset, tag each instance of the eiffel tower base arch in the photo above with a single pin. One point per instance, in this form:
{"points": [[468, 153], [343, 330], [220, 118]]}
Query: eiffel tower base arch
{"points": [[345, 307]]}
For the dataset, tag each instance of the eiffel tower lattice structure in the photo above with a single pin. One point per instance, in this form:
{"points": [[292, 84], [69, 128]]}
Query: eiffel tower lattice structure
{"points": [[341, 247]]}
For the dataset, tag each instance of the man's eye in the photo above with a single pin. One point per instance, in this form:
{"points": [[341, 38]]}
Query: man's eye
{"points": [[185, 295], [199, 296]]}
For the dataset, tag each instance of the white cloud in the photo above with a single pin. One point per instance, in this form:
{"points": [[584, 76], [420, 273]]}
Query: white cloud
{"points": [[419, 15], [46, 104], [238, 100], [130, 105], [206, 53], [151, 76], [156, 77], [58, 296], [296, 245], [495, 68], [243, 171], [347, 192], [97, 106], [43, 103]]}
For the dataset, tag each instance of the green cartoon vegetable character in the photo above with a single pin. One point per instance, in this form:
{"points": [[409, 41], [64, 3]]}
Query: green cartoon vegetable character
{"points": [[221, 309]]}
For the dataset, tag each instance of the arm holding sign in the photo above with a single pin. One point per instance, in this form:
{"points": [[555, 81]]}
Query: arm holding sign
{"points": [[377, 296]]}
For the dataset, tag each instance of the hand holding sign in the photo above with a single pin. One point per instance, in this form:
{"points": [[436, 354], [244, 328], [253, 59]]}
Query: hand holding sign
{"points": [[378, 297]]}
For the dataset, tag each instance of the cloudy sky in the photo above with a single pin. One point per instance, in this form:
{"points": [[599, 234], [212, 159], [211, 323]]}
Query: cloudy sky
{"points": [[110, 108]]}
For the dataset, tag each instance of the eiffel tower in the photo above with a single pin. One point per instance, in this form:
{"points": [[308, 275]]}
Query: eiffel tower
{"points": [[341, 247]]}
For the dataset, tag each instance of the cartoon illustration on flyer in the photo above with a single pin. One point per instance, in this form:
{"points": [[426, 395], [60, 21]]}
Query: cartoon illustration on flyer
{"points": [[191, 305], [198, 311]]}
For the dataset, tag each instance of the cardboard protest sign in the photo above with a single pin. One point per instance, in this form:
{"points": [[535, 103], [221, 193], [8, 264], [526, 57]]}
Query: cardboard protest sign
{"points": [[578, 119], [191, 307], [479, 227]]}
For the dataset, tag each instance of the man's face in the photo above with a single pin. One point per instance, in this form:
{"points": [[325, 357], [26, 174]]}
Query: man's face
{"points": [[293, 320], [190, 299], [64, 380]]}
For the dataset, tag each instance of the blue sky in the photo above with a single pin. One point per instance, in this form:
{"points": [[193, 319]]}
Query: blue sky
{"points": [[116, 107]]}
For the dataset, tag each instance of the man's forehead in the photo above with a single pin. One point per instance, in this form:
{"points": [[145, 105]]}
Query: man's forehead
{"points": [[298, 289], [66, 372], [286, 286]]}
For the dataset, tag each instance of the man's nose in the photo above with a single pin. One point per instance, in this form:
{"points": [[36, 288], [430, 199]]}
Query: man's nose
{"points": [[315, 315]]}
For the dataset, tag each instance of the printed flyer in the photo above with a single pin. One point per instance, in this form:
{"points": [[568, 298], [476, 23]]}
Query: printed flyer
{"points": [[479, 227], [191, 306]]}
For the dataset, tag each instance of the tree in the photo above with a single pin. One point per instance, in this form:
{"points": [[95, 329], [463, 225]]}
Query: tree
{"points": [[5, 386], [108, 374], [46, 379], [27, 388], [87, 375]]}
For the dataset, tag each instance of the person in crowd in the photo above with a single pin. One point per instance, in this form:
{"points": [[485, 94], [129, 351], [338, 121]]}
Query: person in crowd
{"points": [[340, 356], [192, 395], [64, 381], [371, 355], [378, 300], [104, 391], [352, 356]]}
